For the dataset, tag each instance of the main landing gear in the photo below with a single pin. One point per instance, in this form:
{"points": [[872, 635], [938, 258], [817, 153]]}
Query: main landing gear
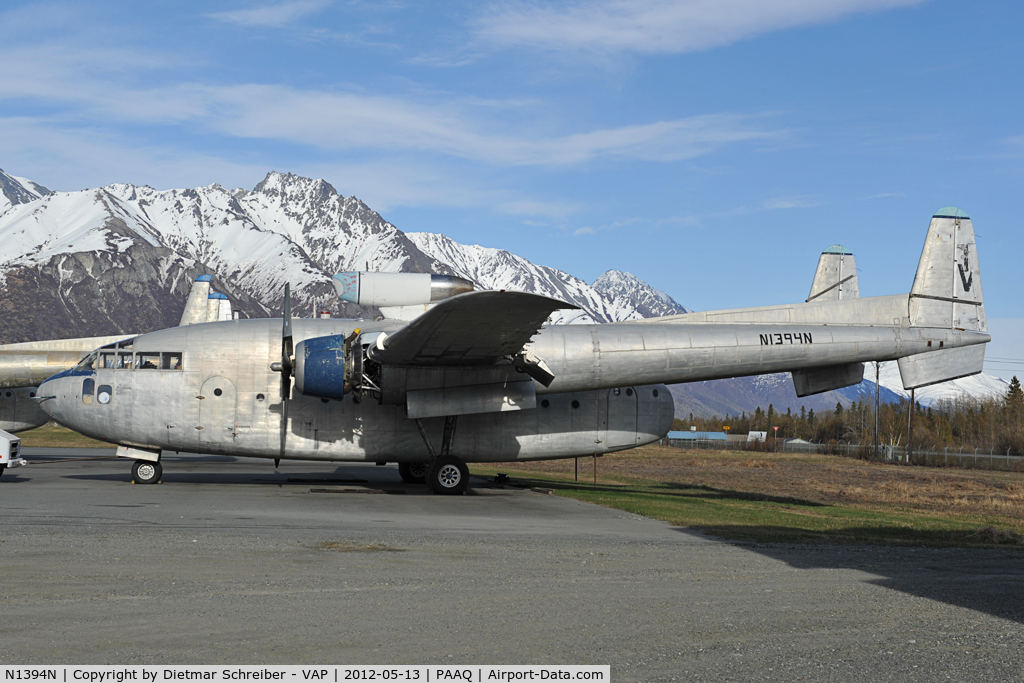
{"points": [[446, 474], [413, 472], [146, 472]]}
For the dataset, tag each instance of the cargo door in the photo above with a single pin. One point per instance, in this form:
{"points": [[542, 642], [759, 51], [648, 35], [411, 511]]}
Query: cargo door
{"points": [[618, 424], [217, 411]]}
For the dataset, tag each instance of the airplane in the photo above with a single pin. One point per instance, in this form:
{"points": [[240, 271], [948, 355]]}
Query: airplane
{"points": [[24, 365], [477, 376]]}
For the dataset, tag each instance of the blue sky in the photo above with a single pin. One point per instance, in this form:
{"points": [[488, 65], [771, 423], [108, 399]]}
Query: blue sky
{"points": [[712, 148]]}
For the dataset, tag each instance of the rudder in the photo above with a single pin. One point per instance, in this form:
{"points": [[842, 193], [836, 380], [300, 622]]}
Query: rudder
{"points": [[947, 287]]}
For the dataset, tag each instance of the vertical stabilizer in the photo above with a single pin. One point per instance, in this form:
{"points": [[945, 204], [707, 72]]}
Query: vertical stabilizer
{"points": [[947, 288], [196, 304], [218, 307], [836, 277]]}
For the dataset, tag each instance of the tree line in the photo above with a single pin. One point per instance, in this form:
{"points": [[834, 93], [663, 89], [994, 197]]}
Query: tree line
{"points": [[993, 424]]}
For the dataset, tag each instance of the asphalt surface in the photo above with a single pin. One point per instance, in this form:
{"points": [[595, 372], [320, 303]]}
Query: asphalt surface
{"points": [[230, 561]]}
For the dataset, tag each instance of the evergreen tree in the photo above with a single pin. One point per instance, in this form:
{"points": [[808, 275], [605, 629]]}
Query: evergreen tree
{"points": [[839, 409], [1014, 395]]}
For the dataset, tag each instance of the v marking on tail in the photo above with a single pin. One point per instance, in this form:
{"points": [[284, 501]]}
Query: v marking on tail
{"points": [[967, 280]]}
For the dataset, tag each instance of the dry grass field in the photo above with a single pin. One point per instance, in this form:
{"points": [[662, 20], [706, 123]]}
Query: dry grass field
{"points": [[763, 496], [55, 436]]}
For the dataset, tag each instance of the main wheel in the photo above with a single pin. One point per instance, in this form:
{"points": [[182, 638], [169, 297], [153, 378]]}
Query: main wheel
{"points": [[448, 476], [413, 472], [146, 472], [2, 468]]}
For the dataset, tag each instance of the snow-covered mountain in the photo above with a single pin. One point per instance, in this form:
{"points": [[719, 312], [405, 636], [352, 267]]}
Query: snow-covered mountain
{"points": [[15, 190], [648, 301], [499, 269], [288, 229], [980, 386], [121, 259]]}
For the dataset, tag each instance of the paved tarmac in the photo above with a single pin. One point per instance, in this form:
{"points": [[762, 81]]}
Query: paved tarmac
{"points": [[230, 561]]}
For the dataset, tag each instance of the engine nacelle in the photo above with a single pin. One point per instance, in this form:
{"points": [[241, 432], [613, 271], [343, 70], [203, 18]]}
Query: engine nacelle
{"points": [[397, 289], [327, 367], [19, 410]]}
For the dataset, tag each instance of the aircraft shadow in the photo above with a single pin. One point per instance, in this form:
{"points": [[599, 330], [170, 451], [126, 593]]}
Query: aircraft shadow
{"points": [[346, 481], [982, 579]]}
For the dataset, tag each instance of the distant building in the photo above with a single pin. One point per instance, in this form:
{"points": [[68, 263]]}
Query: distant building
{"points": [[697, 436]]}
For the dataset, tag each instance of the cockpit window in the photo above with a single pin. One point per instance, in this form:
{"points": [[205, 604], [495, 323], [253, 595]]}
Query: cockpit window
{"points": [[89, 362], [171, 361], [124, 360]]}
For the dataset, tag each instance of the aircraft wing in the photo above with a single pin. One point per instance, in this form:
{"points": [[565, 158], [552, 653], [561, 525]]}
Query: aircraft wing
{"points": [[475, 328]]}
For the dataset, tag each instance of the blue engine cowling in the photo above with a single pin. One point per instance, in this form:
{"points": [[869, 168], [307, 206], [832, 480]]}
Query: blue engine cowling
{"points": [[325, 367]]}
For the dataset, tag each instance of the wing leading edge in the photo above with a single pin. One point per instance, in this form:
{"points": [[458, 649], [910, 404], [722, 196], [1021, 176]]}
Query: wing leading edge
{"points": [[476, 328]]}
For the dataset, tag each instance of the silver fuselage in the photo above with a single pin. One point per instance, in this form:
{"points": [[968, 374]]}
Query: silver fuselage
{"points": [[607, 395]]}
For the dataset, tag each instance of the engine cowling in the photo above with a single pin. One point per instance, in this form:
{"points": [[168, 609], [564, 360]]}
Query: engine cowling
{"points": [[397, 289], [328, 367]]}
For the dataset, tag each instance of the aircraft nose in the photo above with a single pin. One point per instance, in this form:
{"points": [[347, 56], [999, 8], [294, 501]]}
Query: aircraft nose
{"points": [[48, 397]]}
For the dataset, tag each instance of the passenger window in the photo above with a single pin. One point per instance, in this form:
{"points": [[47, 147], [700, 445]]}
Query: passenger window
{"points": [[124, 360], [149, 360], [88, 387], [104, 393], [172, 361]]}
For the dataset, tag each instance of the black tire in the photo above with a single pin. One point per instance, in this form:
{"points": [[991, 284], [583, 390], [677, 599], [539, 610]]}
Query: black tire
{"points": [[413, 472], [448, 476], [2, 468], [146, 472]]}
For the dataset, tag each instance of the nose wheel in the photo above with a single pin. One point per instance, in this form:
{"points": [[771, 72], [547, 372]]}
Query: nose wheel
{"points": [[448, 475], [146, 472]]}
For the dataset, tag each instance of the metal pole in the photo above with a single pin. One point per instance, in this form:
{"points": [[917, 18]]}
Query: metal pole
{"points": [[577, 469], [876, 408], [595, 469], [910, 429]]}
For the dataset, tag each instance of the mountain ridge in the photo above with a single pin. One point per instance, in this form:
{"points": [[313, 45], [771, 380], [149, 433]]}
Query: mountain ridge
{"points": [[119, 259]]}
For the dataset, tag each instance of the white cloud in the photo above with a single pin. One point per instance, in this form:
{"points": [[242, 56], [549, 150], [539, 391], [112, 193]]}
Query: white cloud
{"points": [[81, 81], [656, 26], [276, 15], [802, 202]]}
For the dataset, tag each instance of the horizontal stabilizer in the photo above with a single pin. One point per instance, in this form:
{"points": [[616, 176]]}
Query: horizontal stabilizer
{"points": [[923, 369], [818, 380], [470, 329]]}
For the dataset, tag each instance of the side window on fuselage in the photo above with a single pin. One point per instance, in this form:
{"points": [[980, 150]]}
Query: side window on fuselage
{"points": [[171, 360], [148, 360], [88, 388]]}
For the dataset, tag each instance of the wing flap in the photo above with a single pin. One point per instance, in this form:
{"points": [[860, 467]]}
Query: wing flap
{"points": [[470, 329]]}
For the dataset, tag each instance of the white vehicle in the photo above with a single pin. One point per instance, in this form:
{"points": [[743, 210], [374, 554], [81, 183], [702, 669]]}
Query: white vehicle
{"points": [[10, 451]]}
